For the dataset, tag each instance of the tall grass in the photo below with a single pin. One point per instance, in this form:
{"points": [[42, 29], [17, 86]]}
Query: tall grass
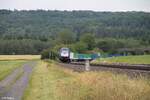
{"points": [[51, 82], [103, 86]]}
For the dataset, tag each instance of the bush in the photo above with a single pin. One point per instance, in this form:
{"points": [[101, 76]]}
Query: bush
{"points": [[45, 54], [48, 54]]}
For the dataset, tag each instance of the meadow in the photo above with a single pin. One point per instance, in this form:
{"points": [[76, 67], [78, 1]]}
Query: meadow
{"points": [[142, 59], [49, 81]]}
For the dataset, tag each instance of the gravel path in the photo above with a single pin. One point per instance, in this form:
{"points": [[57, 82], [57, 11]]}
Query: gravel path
{"points": [[13, 86]]}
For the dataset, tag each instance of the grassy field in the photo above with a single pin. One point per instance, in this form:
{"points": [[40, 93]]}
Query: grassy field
{"points": [[144, 59], [6, 67], [51, 82], [19, 57]]}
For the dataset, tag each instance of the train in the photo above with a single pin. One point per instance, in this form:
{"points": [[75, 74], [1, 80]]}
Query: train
{"points": [[65, 55]]}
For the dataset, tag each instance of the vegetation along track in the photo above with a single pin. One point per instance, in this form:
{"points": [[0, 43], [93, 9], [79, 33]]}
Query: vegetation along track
{"points": [[131, 70]]}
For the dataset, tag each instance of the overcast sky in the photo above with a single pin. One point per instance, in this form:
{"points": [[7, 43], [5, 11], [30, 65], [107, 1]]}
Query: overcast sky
{"points": [[96, 5]]}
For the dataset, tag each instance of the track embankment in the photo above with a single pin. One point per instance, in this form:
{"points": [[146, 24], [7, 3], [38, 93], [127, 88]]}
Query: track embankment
{"points": [[131, 70]]}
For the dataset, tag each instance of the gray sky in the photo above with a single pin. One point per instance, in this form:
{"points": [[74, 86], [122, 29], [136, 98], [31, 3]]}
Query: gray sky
{"points": [[96, 5]]}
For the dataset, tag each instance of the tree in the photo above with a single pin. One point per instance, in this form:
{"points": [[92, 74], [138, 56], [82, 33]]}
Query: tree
{"points": [[66, 37], [89, 40], [79, 47]]}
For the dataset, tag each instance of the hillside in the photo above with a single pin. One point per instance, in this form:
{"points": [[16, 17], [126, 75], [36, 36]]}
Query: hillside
{"points": [[39, 28]]}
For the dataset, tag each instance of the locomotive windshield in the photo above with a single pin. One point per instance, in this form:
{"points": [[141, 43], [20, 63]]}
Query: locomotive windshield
{"points": [[64, 49]]}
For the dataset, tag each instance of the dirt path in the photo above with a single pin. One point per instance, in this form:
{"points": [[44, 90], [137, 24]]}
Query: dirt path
{"points": [[13, 86]]}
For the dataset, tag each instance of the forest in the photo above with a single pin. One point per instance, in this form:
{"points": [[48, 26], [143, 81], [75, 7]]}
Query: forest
{"points": [[34, 31]]}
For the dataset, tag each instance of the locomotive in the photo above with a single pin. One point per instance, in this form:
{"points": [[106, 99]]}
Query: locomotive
{"points": [[64, 55]]}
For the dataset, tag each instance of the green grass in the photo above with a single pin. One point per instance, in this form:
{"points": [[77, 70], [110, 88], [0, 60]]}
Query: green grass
{"points": [[43, 82], [51, 82], [6, 67], [143, 59]]}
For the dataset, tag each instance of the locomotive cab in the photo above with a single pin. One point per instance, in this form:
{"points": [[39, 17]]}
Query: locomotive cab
{"points": [[64, 55]]}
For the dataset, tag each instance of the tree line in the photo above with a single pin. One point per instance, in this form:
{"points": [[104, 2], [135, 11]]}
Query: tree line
{"points": [[30, 32]]}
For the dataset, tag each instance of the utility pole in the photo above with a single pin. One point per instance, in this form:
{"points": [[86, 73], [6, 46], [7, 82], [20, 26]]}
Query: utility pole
{"points": [[87, 65]]}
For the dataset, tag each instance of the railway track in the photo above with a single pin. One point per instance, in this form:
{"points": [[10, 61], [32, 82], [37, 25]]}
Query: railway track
{"points": [[131, 70], [144, 67]]}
